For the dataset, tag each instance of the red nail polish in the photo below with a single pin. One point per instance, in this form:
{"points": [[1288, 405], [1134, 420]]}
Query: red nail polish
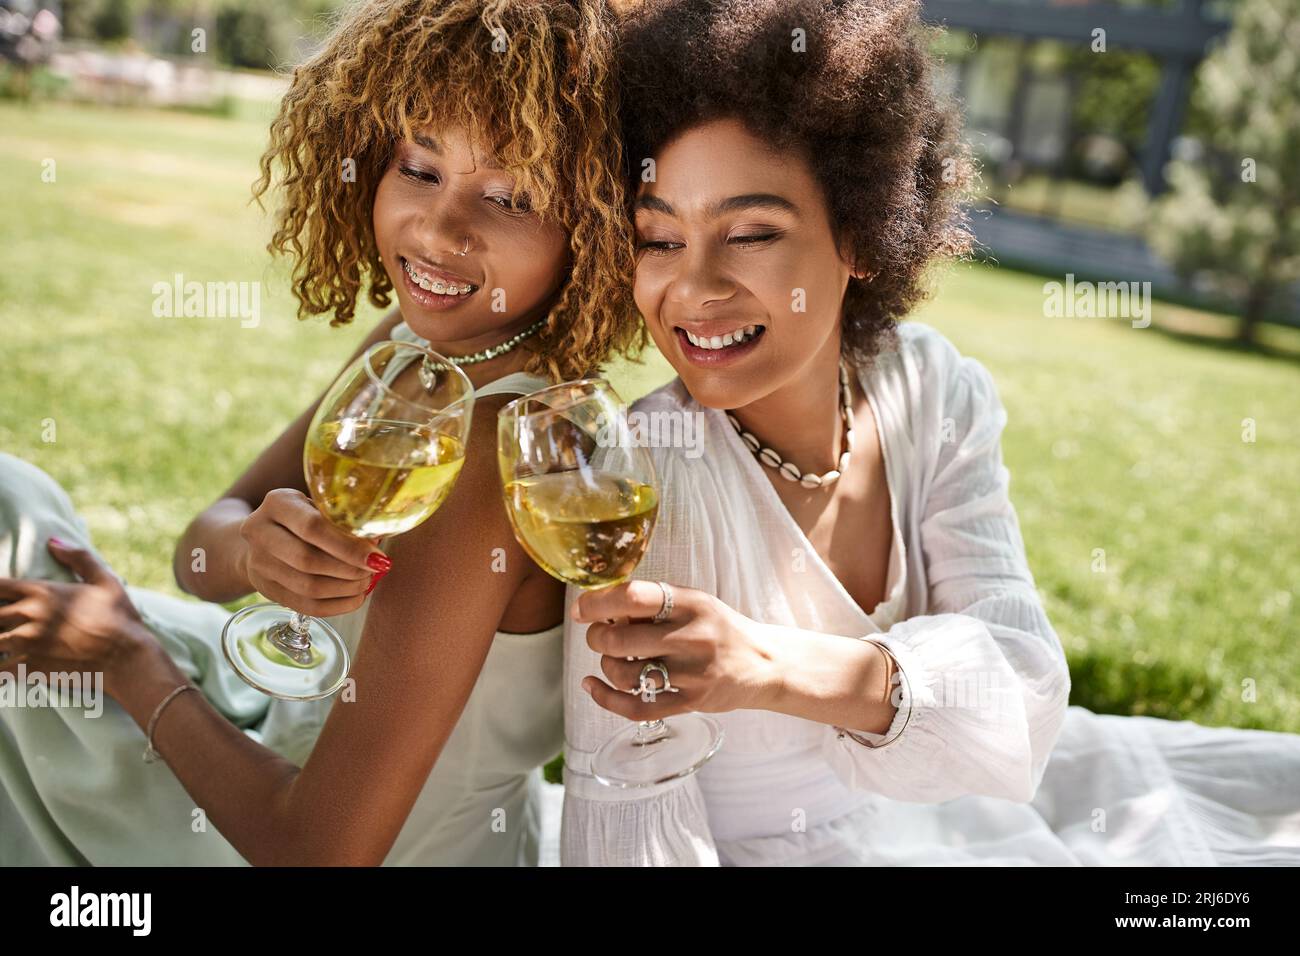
{"points": [[379, 562], [378, 576], [58, 542]]}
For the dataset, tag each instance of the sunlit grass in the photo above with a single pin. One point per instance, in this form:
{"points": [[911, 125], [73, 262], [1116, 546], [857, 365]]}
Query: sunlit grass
{"points": [[1120, 440], [1126, 446]]}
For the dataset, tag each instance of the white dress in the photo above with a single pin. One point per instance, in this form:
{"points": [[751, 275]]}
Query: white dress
{"points": [[993, 766], [74, 791]]}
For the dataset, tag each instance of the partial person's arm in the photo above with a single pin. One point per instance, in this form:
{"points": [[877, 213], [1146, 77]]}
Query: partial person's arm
{"points": [[985, 684]]}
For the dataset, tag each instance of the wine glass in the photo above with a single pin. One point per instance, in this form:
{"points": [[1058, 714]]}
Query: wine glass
{"points": [[580, 492], [382, 453]]}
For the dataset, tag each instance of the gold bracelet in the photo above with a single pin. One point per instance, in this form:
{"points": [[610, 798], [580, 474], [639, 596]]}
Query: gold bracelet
{"points": [[898, 669], [150, 754]]}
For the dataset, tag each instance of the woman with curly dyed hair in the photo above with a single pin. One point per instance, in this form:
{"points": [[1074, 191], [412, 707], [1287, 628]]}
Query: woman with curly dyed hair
{"points": [[844, 585], [528, 87], [462, 157]]}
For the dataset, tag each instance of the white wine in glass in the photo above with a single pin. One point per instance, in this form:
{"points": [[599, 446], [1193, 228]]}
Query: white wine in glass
{"points": [[382, 453], [376, 477], [589, 530], [581, 494]]}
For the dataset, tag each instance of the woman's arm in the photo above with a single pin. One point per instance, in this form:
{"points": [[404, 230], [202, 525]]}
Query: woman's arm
{"points": [[274, 484], [428, 630], [726, 661], [985, 683]]}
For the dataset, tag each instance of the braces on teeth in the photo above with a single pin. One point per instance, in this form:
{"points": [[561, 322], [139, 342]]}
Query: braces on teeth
{"points": [[437, 286], [722, 341]]}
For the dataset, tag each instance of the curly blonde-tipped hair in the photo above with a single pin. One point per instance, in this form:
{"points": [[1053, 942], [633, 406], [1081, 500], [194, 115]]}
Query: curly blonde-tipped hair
{"points": [[532, 79]]}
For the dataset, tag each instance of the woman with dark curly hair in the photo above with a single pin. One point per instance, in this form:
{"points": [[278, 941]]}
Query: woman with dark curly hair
{"points": [[462, 155], [844, 584]]}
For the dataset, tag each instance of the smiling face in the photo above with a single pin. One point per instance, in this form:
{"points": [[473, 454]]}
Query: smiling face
{"points": [[734, 244], [469, 267]]}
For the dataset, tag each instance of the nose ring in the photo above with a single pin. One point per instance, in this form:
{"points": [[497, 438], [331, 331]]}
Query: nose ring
{"points": [[465, 250]]}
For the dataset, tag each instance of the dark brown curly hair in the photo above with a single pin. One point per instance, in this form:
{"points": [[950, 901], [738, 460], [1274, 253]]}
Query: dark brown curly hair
{"points": [[857, 101], [532, 78]]}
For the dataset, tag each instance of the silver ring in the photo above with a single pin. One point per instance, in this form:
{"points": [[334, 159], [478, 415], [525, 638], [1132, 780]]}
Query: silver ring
{"points": [[665, 609], [649, 691], [465, 251]]}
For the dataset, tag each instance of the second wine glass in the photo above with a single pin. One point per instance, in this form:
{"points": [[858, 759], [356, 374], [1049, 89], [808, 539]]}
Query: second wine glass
{"points": [[383, 451], [581, 493]]}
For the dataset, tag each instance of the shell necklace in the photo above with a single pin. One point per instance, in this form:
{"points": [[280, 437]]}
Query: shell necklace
{"points": [[789, 469]]}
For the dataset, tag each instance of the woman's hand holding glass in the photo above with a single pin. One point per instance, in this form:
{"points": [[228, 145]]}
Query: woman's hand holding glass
{"points": [[719, 659], [382, 453], [580, 492], [298, 557]]}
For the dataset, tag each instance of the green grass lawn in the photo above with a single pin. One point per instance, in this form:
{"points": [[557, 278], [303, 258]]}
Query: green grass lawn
{"points": [[1120, 439]]}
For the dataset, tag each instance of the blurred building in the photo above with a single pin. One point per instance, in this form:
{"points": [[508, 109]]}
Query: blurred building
{"points": [[1073, 108]]}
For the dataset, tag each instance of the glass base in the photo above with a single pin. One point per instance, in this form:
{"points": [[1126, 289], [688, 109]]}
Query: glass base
{"points": [[248, 647], [641, 756]]}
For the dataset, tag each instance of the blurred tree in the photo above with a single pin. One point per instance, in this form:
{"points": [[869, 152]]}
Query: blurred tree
{"points": [[1113, 95], [244, 33], [79, 19], [113, 21], [249, 35], [1232, 214]]}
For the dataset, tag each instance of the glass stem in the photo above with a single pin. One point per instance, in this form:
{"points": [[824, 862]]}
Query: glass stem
{"points": [[301, 626], [295, 640], [649, 732]]}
